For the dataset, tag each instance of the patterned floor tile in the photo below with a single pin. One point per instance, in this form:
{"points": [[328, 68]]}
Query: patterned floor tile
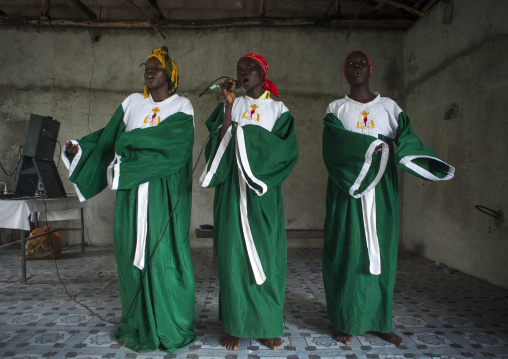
{"points": [[49, 338], [455, 321], [371, 341], [484, 339], [321, 341], [431, 340], [7, 335], [24, 319], [439, 312], [415, 321], [210, 341]]}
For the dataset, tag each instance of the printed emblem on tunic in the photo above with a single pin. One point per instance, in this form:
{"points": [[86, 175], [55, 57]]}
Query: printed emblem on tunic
{"points": [[153, 120], [365, 123]]}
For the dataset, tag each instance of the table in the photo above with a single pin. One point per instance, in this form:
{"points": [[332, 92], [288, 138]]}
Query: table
{"points": [[17, 213]]}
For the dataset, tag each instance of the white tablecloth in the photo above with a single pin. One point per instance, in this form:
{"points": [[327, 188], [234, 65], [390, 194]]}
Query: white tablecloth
{"points": [[15, 213]]}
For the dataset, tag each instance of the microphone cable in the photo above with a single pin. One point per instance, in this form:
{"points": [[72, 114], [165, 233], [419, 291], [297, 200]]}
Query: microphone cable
{"points": [[143, 272], [227, 85]]}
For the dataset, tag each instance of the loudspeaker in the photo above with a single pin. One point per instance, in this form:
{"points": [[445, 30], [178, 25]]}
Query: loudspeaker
{"points": [[41, 137], [39, 178], [38, 175]]}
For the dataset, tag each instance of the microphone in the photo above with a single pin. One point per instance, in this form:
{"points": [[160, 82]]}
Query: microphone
{"points": [[227, 85]]}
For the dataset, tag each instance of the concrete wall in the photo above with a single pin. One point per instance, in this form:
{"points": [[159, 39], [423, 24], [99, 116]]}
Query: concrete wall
{"points": [[451, 80], [456, 82], [64, 74]]}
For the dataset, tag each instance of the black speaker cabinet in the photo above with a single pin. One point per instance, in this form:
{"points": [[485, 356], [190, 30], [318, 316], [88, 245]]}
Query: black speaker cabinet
{"points": [[38, 175], [41, 137]]}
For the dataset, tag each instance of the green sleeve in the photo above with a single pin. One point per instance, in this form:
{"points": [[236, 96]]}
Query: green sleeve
{"points": [[88, 169], [348, 158], [267, 158], [219, 155], [155, 152], [413, 157]]}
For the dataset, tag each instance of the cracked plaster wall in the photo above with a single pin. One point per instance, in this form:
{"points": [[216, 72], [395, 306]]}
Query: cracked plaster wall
{"points": [[64, 74], [456, 82]]}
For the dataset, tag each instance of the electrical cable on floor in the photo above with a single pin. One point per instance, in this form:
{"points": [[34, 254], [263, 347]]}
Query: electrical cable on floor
{"points": [[58, 272], [143, 272], [56, 264]]}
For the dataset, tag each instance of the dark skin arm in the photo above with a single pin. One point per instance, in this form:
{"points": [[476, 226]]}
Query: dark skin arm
{"points": [[230, 96], [377, 150]]}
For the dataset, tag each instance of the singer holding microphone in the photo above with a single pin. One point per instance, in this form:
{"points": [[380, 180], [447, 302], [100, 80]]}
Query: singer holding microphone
{"points": [[251, 152], [145, 153]]}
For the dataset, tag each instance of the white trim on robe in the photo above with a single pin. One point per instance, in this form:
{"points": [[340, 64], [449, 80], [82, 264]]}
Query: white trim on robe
{"points": [[71, 166], [408, 162], [142, 225], [369, 224], [255, 262], [206, 178], [385, 152]]}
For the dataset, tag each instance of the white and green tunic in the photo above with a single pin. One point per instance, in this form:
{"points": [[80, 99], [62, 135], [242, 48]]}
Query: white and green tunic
{"points": [[362, 210], [247, 169], [145, 153]]}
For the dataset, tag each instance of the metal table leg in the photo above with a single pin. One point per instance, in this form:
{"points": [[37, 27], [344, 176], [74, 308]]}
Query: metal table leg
{"points": [[82, 230], [23, 259]]}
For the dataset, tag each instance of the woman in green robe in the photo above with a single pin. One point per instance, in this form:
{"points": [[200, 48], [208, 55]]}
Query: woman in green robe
{"points": [[145, 153], [247, 164], [362, 209]]}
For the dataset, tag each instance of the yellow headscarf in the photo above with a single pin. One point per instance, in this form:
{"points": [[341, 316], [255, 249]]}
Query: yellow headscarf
{"points": [[170, 66]]}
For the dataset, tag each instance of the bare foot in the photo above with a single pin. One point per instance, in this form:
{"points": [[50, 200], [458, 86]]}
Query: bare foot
{"points": [[230, 342], [344, 338], [121, 343], [390, 338], [272, 343]]}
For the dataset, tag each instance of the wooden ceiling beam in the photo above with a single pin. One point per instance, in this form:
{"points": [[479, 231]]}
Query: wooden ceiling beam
{"points": [[262, 8], [428, 5], [45, 8], [84, 9], [388, 22], [398, 5], [381, 4], [330, 6], [150, 22], [157, 9]]}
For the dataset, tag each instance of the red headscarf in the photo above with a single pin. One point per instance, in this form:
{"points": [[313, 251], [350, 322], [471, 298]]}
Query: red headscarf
{"points": [[267, 84], [367, 56]]}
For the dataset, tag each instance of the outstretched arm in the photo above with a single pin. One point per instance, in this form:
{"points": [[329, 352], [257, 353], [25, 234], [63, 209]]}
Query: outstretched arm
{"points": [[417, 159], [72, 148]]}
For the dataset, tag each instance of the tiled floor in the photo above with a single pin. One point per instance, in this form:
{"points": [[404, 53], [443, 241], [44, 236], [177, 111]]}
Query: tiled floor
{"points": [[439, 312]]}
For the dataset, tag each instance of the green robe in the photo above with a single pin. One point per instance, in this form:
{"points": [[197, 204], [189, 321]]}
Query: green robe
{"points": [[254, 160], [158, 158], [359, 285]]}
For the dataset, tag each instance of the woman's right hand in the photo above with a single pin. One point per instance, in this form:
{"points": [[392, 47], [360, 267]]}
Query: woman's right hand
{"points": [[72, 148], [230, 93]]}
